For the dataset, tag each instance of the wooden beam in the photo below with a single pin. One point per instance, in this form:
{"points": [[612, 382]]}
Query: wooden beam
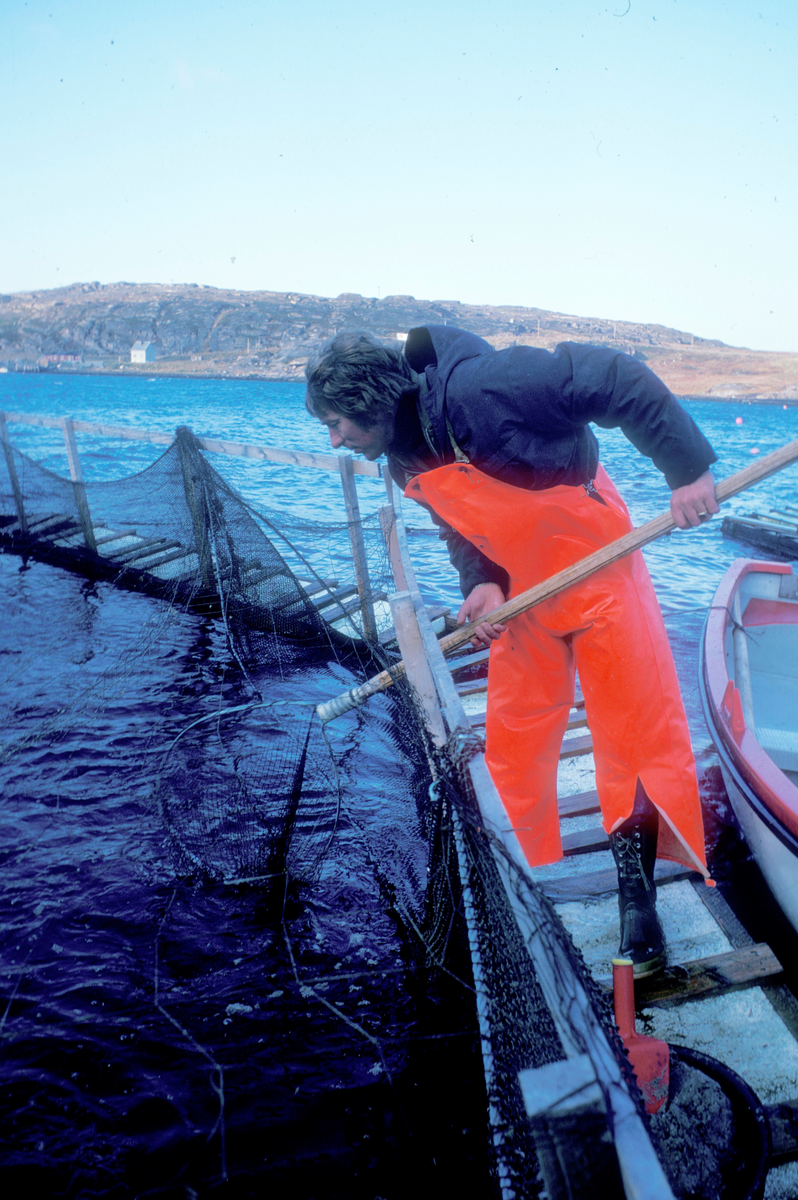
{"points": [[390, 533], [701, 977], [585, 841], [334, 596], [12, 474], [580, 805], [778, 994], [573, 747], [77, 483], [601, 883], [164, 559], [297, 458], [115, 537], [187, 454], [54, 526], [457, 662], [434, 613], [346, 466], [404, 607], [783, 1121], [146, 548], [311, 587], [129, 433]]}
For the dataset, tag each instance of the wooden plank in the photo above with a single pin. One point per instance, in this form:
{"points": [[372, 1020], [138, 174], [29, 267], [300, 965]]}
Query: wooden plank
{"points": [[31, 419], [404, 606], [12, 474], [339, 611], [114, 537], [472, 687], [434, 613], [390, 533], [77, 483], [468, 660], [135, 551], [585, 841], [296, 458], [580, 805], [180, 552], [154, 551], [333, 596], [783, 1121], [778, 994], [600, 883], [573, 747], [731, 926], [701, 977], [128, 433], [346, 466], [56, 526], [36, 522], [311, 587]]}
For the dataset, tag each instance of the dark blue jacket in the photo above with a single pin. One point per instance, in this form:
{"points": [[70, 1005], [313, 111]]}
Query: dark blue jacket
{"points": [[523, 415]]}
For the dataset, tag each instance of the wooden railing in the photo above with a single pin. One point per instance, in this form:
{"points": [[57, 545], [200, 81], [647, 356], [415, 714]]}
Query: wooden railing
{"points": [[128, 433], [347, 466]]}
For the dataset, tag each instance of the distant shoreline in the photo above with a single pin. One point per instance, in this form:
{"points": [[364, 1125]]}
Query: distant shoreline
{"points": [[213, 333], [130, 372]]}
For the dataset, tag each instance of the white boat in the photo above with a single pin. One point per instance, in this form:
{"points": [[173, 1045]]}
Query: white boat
{"points": [[749, 688]]}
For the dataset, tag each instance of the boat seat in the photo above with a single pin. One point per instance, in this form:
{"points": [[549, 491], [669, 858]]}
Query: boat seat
{"points": [[781, 745], [761, 611]]}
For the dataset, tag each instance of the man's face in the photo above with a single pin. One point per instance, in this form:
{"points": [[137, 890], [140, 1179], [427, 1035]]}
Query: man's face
{"points": [[371, 441]]}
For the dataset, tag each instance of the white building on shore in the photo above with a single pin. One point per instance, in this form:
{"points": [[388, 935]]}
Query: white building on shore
{"points": [[142, 352]]}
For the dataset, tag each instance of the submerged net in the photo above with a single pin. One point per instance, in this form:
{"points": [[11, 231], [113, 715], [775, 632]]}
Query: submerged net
{"points": [[298, 931]]}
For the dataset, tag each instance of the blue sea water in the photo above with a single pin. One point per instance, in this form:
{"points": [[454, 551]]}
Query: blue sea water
{"points": [[126, 987]]}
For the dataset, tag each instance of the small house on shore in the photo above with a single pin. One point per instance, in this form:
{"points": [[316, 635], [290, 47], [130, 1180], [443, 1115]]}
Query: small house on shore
{"points": [[142, 352]]}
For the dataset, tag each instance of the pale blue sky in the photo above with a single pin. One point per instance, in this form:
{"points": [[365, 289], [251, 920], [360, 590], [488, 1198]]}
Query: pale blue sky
{"points": [[636, 161]]}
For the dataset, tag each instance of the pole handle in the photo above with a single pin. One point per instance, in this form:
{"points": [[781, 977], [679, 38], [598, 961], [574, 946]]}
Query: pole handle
{"points": [[623, 994]]}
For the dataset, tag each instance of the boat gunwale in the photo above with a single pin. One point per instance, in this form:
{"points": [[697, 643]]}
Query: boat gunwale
{"points": [[764, 786]]}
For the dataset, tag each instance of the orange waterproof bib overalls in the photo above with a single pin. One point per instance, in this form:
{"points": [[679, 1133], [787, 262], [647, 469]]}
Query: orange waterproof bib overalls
{"points": [[609, 627]]}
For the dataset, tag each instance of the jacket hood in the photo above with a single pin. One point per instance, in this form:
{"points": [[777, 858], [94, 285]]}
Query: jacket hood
{"points": [[453, 345]]}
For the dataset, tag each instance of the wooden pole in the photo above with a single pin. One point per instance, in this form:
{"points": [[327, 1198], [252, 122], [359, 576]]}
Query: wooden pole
{"points": [[12, 474], [390, 532], [405, 619], [78, 484], [580, 570], [188, 454], [346, 468]]}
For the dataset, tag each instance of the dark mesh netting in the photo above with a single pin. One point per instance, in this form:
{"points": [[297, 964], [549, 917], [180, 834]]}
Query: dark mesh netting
{"points": [[516, 1022], [240, 946]]}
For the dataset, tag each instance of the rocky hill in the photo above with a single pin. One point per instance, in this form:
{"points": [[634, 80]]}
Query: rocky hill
{"points": [[198, 330]]}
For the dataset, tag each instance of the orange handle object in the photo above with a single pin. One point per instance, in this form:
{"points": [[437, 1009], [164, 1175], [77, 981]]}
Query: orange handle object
{"points": [[649, 1057]]}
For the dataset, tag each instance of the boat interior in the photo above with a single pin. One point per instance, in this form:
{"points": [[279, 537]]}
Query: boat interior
{"points": [[769, 608]]}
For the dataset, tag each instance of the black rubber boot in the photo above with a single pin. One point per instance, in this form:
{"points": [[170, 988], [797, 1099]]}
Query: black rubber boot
{"points": [[634, 848]]}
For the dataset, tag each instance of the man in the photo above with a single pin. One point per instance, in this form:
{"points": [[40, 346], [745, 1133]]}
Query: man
{"points": [[498, 446]]}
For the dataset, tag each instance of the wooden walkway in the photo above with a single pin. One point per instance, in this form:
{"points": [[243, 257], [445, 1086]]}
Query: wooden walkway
{"points": [[137, 557], [714, 963]]}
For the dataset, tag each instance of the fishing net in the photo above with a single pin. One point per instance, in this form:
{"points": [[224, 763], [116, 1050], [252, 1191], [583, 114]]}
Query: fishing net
{"points": [[275, 894]]}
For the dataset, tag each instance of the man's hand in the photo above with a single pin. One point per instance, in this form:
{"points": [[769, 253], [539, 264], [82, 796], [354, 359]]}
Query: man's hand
{"points": [[483, 599], [695, 503]]}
